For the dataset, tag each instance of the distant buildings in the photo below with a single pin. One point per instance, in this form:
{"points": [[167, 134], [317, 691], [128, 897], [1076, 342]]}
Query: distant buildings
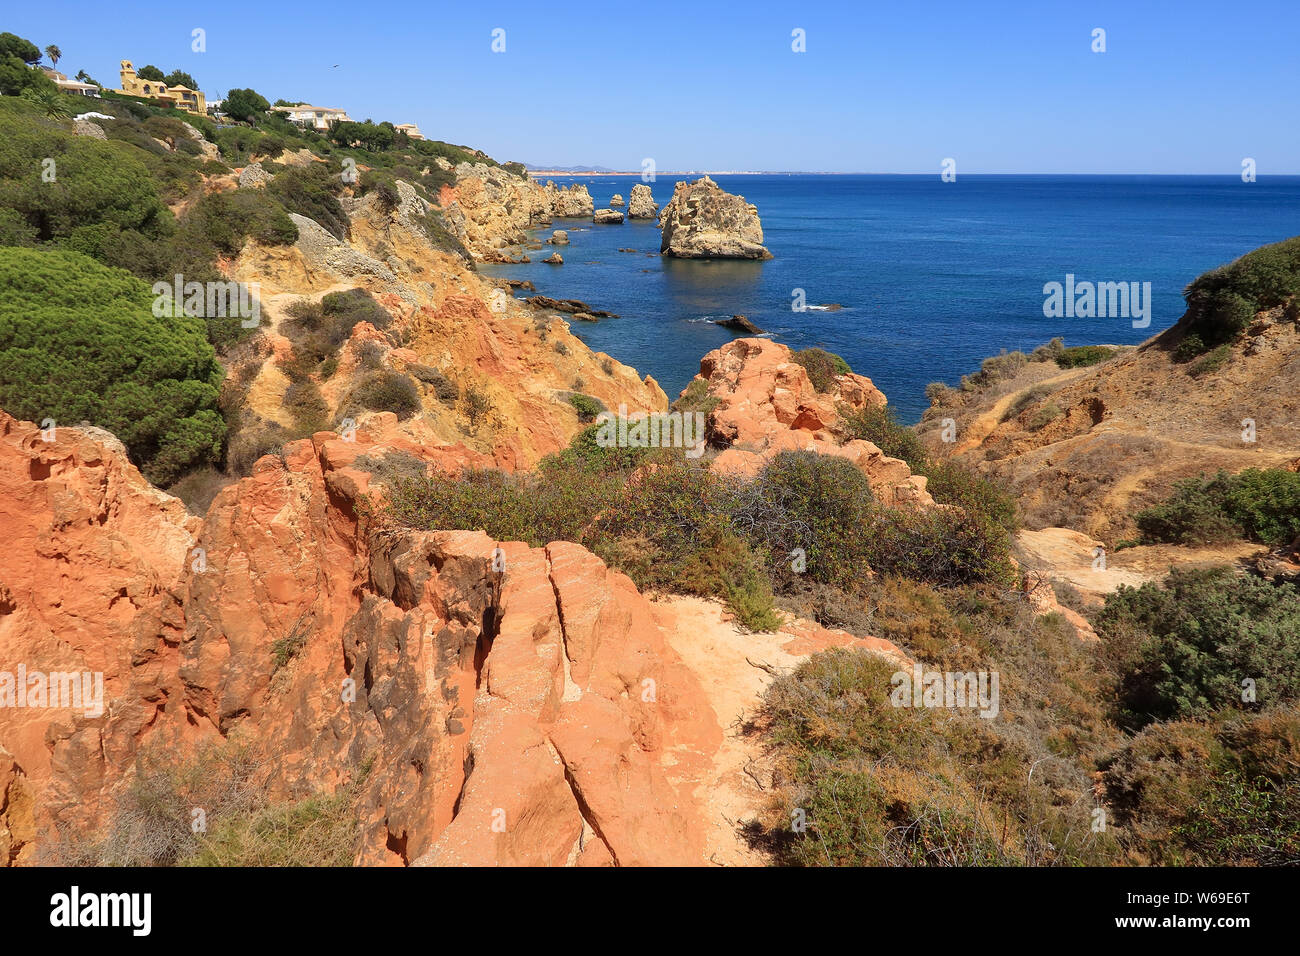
{"points": [[181, 97], [317, 117], [70, 86], [411, 130]]}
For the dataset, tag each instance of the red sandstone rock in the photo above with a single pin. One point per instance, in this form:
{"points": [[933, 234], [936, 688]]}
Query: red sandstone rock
{"points": [[767, 405], [514, 705]]}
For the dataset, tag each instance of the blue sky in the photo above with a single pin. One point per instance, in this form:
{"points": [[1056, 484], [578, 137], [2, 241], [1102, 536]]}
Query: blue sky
{"points": [[1183, 87]]}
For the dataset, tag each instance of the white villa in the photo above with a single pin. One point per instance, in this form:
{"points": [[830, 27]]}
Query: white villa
{"points": [[317, 117]]}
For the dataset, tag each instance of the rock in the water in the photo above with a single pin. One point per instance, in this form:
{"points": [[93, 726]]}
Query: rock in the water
{"points": [[616, 200], [702, 221], [607, 216], [642, 204], [569, 202], [572, 306], [554, 259], [559, 238], [738, 323]]}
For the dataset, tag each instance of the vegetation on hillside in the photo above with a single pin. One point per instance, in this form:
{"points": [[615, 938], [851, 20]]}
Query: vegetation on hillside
{"points": [[1257, 504], [79, 342], [1221, 303], [137, 201]]}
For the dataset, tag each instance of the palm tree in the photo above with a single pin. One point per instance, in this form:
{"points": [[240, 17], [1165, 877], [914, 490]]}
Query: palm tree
{"points": [[55, 54], [48, 102]]}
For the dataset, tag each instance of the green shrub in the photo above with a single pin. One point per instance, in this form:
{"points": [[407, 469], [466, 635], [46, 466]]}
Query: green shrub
{"points": [[1184, 647], [79, 341], [586, 407], [877, 424], [1050, 351], [312, 191], [1211, 362], [1081, 356], [475, 406], [388, 392], [444, 388], [942, 546], [696, 398], [1221, 303], [995, 369], [1044, 417], [1260, 504], [822, 367], [1202, 794], [1191, 346], [950, 483], [819, 504]]}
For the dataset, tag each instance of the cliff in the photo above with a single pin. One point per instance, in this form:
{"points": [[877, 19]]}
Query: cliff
{"points": [[452, 682]]}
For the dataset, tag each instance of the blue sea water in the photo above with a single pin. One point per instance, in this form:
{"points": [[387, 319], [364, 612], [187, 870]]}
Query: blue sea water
{"points": [[933, 277]]}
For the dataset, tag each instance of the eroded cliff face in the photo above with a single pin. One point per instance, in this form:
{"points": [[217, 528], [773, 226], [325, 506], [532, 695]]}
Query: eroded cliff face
{"points": [[491, 703], [1088, 448], [522, 364]]}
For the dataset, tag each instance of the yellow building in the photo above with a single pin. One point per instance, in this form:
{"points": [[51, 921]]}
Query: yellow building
{"points": [[181, 97]]}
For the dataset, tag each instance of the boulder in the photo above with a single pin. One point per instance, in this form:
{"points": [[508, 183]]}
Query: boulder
{"points": [[641, 204], [572, 306], [559, 238], [607, 217], [253, 176], [738, 323], [87, 128], [554, 259], [616, 200], [702, 221]]}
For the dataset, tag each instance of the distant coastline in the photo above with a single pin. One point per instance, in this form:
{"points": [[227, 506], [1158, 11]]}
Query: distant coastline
{"points": [[543, 173]]}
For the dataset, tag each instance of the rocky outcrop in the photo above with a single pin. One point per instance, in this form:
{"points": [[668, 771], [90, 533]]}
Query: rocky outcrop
{"points": [[487, 702], [739, 323], [490, 208], [607, 217], [554, 259], [568, 202], [253, 176], [764, 404], [616, 201], [641, 204], [559, 238], [571, 306], [87, 128], [702, 221]]}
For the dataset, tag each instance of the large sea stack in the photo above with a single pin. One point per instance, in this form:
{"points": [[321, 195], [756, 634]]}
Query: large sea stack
{"points": [[702, 221]]}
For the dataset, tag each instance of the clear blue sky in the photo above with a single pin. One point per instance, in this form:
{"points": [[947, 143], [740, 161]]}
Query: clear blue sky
{"points": [[1184, 87]]}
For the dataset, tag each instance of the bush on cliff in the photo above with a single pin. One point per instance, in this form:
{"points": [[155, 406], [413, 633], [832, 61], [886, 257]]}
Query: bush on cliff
{"points": [[1259, 504], [1188, 793], [671, 524], [866, 782], [948, 482], [78, 341], [1223, 301], [822, 367], [1186, 648], [312, 192]]}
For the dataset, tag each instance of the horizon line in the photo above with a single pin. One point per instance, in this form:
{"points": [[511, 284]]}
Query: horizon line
{"points": [[818, 172]]}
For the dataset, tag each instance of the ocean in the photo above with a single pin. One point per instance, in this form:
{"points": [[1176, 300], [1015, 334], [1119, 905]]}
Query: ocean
{"points": [[931, 277]]}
